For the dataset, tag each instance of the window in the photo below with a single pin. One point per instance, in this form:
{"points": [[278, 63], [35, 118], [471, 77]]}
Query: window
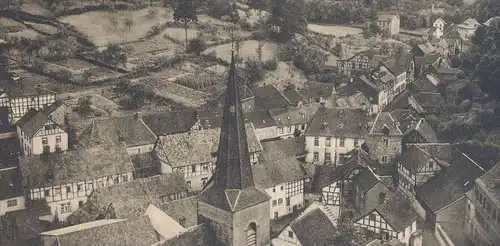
{"points": [[47, 127], [65, 207], [316, 141], [68, 189], [57, 191], [116, 180], [282, 187], [290, 234], [47, 193], [90, 186], [276, 215], [356, 142], [372, 217], [275, 203], [430, 164], [342, 142], [328, 142], [274, 189], [288, 201], [80, 204], [204, 167], [139, 151], [45, 141], [188, 183], [289, 129], [280, 201], [315, 156], [124, 178], [384, 159], [193, 168], [280, 130], [182, 221], [303, 127], [386, 142], [58, 139], [204, 181], [328, 157], [12, 203]]}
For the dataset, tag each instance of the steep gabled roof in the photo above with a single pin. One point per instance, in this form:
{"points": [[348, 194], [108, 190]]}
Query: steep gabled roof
{"points": [[426, 131], [414, 158], [201, 235], [32, 122], [398, 212], [385, 124], [314, 228], [293, 96], [293, 116], [278, 172], [338, 122], [429, 99], [269, 97], [170, 122]]}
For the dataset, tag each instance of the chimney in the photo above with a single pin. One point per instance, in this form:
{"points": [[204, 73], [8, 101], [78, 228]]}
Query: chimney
{"points": [[138, 115]]}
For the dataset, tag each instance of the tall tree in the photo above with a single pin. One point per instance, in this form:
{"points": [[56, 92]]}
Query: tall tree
{"points": [[115, 55], [258, 4], [287, 18], [185, 12]]}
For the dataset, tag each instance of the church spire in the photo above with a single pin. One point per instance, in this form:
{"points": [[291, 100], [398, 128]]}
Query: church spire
{"points": [[233, 169]]}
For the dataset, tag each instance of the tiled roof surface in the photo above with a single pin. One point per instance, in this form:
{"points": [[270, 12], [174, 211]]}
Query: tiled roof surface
{"points": [[138, 231], [326, 175], [451, 183], [414, 158], [32, 122], [183, 209], [314, 90], [385, 124], [398, 212], [314, 228], [73, 166], [440, 151], [294, 116], [427, 83], [282, 148], [394, 67], [277, 172], [427, 48], [9, 151], [10, 184], [489, 184], [198, 146], [426, 131], [212, 118], [201, 235], [233, 200], [170, 122], [429, 99], [339, 123], [145, 160], [293, 96], [269, 97], [365, 180]]}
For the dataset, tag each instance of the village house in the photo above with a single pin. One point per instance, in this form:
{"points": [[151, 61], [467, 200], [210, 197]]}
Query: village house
{"points": [[296, 99], [364, 60], [428, 14], [426, 83], [171, 122], [313, 227], [193, 153], [319, 92], [11, 192], [369, 191], [422, 132], [284, 181], [388, 23], [334, 132], [21, 93], [259, 98], [417, 166], [440, 24], [442, 47], [491, 20], [482, 219], [393, 219], [292, 122], [406, 119], [38, 134], [129, 200], [65, 179], [427, 102], [468, 27], [282, 149], [384, 140], [443, 198], [130, 131]]}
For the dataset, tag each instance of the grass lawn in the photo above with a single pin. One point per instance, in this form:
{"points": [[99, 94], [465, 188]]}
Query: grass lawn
{"points": [[98, 27], [157, 43], [27, 33], [333, 30], [247, 50]]}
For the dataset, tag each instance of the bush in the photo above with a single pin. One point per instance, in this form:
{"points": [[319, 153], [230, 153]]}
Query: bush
{"points": [[271, 64], [197, 45], [255, 71], [155, 30]]}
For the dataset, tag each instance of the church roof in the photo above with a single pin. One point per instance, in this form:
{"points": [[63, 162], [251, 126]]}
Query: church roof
{"points": [[232, 187]]}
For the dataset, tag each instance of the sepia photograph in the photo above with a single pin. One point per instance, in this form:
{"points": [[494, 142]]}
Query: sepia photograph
{"points": [[249, 122]]}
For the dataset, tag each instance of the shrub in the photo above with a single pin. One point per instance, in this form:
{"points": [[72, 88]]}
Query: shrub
{"points": [[255, 71], [155, 30], [270, 64], [197, 45]]}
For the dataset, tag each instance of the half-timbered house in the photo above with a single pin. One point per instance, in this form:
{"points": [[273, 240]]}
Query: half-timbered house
{"points": [[393, 219], [293, 121], [416, 167], [38, 133], [193, 153], [362, 61], [65, 179], [421, 133], [369, 191]]}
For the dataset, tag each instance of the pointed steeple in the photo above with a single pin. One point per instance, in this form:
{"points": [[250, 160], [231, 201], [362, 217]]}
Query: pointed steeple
{"points": [[232, 187]]}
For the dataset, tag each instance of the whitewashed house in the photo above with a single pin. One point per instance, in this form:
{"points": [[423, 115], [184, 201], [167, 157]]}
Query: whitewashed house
{"points": [[284, 181], [334, 132], [293, 121], [193, 153], [38, 133], [65, 179]]}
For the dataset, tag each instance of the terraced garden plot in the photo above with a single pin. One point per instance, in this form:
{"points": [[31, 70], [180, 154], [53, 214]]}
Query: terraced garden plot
{"points": [[43, 27], [334, 30], [247, 50], [152, 45], [75, 64]]}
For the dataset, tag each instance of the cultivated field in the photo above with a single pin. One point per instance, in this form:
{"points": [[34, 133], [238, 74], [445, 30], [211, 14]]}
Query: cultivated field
{"points": [[333, 30], [98, 26], [247, 50], [155, 44]]}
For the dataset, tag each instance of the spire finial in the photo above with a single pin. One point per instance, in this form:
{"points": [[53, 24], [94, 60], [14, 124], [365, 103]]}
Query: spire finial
{"points": [[232, 40]]}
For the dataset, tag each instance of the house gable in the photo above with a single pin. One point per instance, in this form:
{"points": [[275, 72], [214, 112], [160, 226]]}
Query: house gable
{"points": [[374, 222], [50, 128]]}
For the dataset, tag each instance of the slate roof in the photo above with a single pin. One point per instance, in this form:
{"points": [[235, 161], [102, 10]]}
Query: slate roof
{"points": [[137, 231], [171, 122], [470, 23], [315, 90], [10, 184], [365, 180], [427, 48], [488, 183], [74, 166], [414, 158], [282, 148], [269, 97], [492, 20], [277, 172], [9, 151], [426, 131], [113, 130], [32, 122], [429, 99], [401, 115], [385, 124], [314, 228], [201, 235], [293, 116], [212, 118], [398, 212], [339, 123], [427, 83], [440, 151], [183, 209], [259, 118], [326, 175], [394, 67], [27, 224], [130, 199], [293, 96], [386, 17], [451, 183], [449, 70], [146, 160], [358, 158], [198, 146]]}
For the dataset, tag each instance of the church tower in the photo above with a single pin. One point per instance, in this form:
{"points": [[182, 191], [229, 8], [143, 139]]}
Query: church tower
{"points": [[237, 211]]}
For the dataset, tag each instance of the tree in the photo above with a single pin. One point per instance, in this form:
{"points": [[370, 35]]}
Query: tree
{"points": [[115, 55], [287, 18], [128, 22], [197, 45], [255, 71], [258, 4], [410, 21], [62, 48], [84, 106], [185, 12]]}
